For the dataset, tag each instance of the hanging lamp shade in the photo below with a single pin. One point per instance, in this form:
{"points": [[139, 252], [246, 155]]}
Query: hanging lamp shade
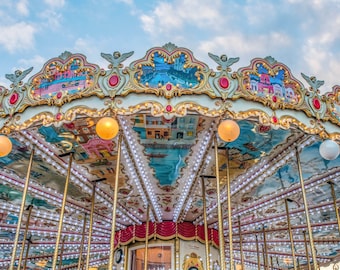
{"points": [[329, 150], [5, 146], [107, 128], [228, 130]]}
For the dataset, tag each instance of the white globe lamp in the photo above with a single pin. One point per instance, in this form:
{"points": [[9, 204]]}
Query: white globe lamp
{"points": [[329, 150]]}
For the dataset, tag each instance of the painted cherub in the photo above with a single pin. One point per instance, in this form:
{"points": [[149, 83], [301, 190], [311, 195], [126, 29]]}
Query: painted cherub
{"points": [[223, 61], [18, 76], [116, 58]]}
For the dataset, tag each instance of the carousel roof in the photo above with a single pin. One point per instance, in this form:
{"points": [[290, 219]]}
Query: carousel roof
{"points": [[168, 106]]}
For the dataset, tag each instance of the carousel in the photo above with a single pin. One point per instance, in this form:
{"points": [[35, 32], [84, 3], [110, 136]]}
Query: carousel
{"points": [[168, 164]]}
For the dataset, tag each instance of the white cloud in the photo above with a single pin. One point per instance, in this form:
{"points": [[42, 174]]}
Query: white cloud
{"points": [[128, 2], [148, 23], [51, 19], [37, 61], [168, 17], [55, 3], [18, 36], [246, 45], [4, 82], [88, 47], [252, 12], [22, 7]]}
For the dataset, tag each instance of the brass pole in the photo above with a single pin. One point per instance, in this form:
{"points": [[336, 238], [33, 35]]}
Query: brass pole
{"points": [[125, 257], [27, 252], [230, 225], [206, 236], [61, 253], [80, 259], [146, 250], [30, 207], [271, 262], [264, 257], [22, 207], [334, 203], [258, 253], [241, 244], [290, 234], [61, 217], [306, 248], [114, 207], [177, 250], [91, 226], [310, 232], [266, 264], [219, 209]]}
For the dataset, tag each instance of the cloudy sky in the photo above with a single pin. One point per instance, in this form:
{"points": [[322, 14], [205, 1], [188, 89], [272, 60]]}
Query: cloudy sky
{"points": [[303, 34]]}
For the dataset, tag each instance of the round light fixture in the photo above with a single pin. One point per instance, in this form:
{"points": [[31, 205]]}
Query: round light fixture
{"points": [[329, 149], [5, 146], [228, 130], [107, 128]]}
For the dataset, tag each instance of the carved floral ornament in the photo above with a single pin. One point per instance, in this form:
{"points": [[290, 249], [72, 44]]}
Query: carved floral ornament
{"points": [[168, 81]]}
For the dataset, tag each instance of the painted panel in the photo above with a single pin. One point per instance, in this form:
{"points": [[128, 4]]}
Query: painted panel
{"points": [[161, 72], [167, 143]]}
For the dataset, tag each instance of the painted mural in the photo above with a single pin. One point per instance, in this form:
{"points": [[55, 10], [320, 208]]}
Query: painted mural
{"points": [[13, 196], [275, 83], [60, 80], [255, 141], [42, 172], [312, 164], [167, 143], [97, 155], [335, 97], [162, 72]]}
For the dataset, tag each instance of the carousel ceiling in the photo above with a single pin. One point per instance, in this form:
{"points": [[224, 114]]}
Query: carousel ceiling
{"points": [[168, 106]]}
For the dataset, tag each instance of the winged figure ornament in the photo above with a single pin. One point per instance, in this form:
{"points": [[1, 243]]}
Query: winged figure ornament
{"points": [[223, 61], [313, 82], [18, 76], [116, 58]]}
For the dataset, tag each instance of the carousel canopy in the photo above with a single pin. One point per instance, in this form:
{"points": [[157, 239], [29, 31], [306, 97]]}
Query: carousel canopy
{"points": [[165, 135]]}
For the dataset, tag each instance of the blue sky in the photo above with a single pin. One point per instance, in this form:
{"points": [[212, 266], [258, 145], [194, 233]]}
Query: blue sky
{"points": [[303, 34]]}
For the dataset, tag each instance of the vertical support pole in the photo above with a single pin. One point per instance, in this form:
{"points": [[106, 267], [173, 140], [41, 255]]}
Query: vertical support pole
{"points": [[27, 252], [290, 234], [126, 257], [257, 253], [266, 264], [62, 211], [241, 244], [91, 226], [114, 207], [230, 225], [22, 207], [30, 207], [80, 259], [306, 248], [177, 249], [264, 257], [219, 209], [310, 232], [146, 249], [334, 203], [271, 262], [61, 253], [206, 236]]}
